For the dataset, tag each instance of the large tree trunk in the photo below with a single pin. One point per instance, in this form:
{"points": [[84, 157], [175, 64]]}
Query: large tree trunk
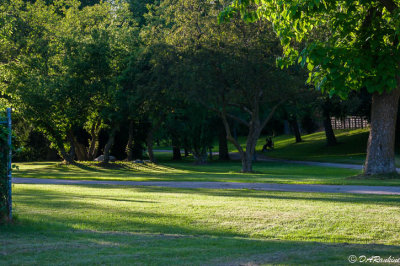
{"points": [[397, 142], [77, 148], [60, 145], [94, 141], [295, 128], [186, 147], [247, 163], [176, 152], [200, 156], [186, 152], [223, 152], [149, 143], [71, 152], [109, 145], [150, 140], [380, 152], [330, 135], [129, 148], [66, 157], [249, 156], [81, 152]]}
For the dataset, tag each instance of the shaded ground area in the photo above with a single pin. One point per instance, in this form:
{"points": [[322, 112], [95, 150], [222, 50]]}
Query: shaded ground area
{"points": [[87, 224], [377, 190], [112, 248]]}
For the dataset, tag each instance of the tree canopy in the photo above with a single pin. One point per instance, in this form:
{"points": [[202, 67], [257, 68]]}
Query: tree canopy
{"points": [[346, 45]]}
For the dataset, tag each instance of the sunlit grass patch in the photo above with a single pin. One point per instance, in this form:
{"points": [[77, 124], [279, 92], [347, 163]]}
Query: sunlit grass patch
{"points": [[167, 226], [266, 172]]}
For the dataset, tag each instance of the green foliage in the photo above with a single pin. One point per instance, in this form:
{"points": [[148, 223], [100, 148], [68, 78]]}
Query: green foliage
{"points": [[228, 68], [60, 62], [345, 45]]}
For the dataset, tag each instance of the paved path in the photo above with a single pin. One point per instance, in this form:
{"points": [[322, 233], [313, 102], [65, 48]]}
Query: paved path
{"points": [[377, 190], [263, 158]]}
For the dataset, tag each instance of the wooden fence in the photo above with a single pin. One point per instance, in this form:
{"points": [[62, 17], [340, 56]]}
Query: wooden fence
{"points": [[349, 122]]}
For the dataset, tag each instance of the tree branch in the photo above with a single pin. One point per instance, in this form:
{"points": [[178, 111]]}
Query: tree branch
{"points": [[237, 119], [271, 113], [229, 134], [242, 107], [223, 113]]}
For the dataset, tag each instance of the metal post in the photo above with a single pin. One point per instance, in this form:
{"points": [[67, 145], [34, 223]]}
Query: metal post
{"points": [[9, 165]]}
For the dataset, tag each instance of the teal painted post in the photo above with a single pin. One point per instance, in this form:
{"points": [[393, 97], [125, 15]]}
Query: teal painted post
{"points": [[9, 122]]}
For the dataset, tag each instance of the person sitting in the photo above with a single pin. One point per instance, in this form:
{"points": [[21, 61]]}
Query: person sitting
{"points": [[268, 145]]}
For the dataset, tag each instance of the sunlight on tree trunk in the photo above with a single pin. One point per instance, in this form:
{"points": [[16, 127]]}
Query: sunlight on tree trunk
{"points": [[380, 152]]}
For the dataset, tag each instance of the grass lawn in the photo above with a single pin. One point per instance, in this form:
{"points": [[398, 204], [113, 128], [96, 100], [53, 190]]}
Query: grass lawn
{"points": [[81, 225], [351, 148], [266, 172]]}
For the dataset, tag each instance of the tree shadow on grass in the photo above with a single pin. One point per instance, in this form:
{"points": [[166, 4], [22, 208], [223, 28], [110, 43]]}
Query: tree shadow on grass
{"points": [[42, 243], [388, 200], [122, 236], [385, 200]]}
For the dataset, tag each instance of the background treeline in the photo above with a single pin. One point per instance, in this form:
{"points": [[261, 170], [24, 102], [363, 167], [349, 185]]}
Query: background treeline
{"points": [[87, 78]]}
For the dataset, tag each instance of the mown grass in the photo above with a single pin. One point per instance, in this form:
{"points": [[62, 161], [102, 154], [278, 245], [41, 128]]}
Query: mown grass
{"points": [[266, 172], [81, 225], [351, 148]]}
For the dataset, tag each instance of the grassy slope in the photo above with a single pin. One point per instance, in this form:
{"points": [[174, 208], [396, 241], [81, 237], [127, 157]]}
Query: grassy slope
{"points": [[120, 225], [271, 172], [351, 147]]}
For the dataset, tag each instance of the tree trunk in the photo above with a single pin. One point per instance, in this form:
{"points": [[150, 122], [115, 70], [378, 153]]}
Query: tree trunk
{"points": [[66, 157], [397, 142], [150, 139], [380, 151], [94, 141], [60, 145], [71, 152], [109, 145], [223, 146], [295, 128], [176, 153], [247, 163], [81, 151], [200, 156], [330, 135], [78, 149], [249, 155], [129, 148], [149, 143], [255, 127]]}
